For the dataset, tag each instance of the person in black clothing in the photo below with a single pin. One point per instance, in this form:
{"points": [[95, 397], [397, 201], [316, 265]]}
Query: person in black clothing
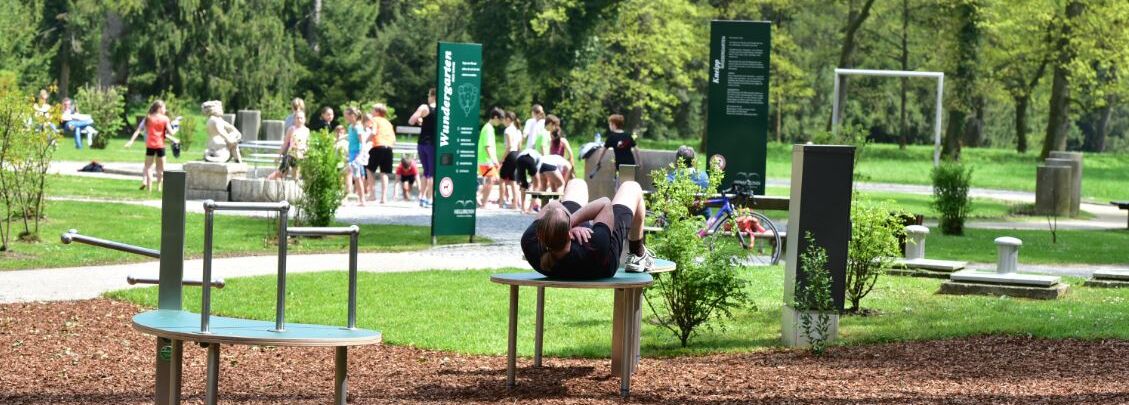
{"points": [[626, 151], [425, 118], [323, 121], [577, 240]]}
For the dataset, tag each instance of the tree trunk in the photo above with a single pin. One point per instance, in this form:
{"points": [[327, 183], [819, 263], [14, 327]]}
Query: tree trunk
{"points": [[950, 147], [965, 95], [1021, 103], [778, 104], [974, 128], [855, 18], [1059, 121], [312, 33], [1094, 140]]}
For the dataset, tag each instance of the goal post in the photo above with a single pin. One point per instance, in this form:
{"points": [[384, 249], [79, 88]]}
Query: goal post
{"points": [[940, 76]]}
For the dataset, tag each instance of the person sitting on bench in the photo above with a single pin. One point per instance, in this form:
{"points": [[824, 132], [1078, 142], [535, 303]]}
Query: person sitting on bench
{"points": [[574, 240]]}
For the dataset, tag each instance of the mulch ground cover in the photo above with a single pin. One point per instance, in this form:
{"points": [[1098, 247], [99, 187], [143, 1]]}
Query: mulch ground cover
{"points": [[86, 352]]}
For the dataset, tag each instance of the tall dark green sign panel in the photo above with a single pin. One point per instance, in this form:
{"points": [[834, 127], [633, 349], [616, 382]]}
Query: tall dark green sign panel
{"points": [[458, 81], [737, 120]]}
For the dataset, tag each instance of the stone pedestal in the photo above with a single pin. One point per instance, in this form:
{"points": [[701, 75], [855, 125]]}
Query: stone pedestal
{"points": [[248, 123], [915, 241], [1005, 280], [272, 130], [262, 190], [915, 264], [1109, 278], [209, 180], [1052, 190], [793, 333], [1074, 160], [230, 118]]}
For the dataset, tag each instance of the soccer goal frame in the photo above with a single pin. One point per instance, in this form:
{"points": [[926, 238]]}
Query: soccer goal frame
{"points": [[940, 76]]}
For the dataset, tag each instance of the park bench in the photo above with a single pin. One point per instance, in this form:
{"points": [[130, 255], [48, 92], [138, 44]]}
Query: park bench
{"points": [[626, 316], [172, 325], [1122, 205]]}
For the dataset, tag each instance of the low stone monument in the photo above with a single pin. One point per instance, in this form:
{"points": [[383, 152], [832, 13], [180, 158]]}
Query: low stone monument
{"points": [[248, 123], [1074, 160], [1109, 278], [211, 180], [272, 130], [915, 264], [1005, 280], [1053, 188], [263, 190]]}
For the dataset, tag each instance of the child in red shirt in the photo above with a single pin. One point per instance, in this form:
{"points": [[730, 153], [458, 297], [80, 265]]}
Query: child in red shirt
{"points": [[407, 173]]}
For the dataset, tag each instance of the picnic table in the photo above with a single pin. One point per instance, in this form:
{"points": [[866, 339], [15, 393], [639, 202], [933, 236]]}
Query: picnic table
{"points": [[626, 315]]}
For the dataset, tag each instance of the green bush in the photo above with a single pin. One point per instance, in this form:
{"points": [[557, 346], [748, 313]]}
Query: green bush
{"points": [[106, 105], [950, 196], [706, 284], [813, 295], [25, 156], [321, 180], [875, 228]]}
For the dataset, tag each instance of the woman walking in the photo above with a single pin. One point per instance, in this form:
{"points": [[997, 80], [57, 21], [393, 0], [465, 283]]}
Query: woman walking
{"points": [[425, 118], [157, 129]]}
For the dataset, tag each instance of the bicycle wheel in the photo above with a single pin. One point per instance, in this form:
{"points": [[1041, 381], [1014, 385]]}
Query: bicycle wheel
{"points": [[760, 248], [766, 245], [725, 230]]}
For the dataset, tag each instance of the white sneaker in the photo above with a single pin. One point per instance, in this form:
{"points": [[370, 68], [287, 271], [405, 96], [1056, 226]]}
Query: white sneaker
{"points": [[640, 264]]}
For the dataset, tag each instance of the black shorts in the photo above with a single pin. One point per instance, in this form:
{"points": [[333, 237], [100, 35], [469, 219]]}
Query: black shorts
{"points": [[621, 222], [545, 168], [526, 167], [155, 152], [380, 160], [411, 179], [288, 162], [509, 166]]}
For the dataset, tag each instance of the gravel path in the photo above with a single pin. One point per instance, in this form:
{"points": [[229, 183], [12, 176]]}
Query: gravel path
{"points": [[82, 352]]}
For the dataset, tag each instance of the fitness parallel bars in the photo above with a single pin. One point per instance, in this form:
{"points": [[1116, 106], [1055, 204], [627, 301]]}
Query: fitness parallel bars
{"points": [[940, 76]]}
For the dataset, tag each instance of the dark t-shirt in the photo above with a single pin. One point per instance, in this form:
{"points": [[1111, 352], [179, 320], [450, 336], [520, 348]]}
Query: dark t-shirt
{"points": [[621, 142], [427, 128], [319, 124], [583, 261]]}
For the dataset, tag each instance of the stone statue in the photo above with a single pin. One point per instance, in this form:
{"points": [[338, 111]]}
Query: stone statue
{"points": [[223, 138]]}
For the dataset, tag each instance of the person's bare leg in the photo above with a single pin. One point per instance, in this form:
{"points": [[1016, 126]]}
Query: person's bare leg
{"points": [[384, 188], [160, 172], [630, 195], [360, 187], [576, 191], [146, 174]]}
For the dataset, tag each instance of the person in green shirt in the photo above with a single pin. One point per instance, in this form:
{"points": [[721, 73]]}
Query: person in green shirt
{"points": [[488, 156]]}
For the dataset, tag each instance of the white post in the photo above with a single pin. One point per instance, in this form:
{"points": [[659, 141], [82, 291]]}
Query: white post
{"points": [[1008, 254], [835, 107], [937, 121], [915, 241]]}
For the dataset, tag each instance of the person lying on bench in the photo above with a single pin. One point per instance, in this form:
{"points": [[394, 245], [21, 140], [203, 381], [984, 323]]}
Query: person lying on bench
{"points": [[569, 240]]}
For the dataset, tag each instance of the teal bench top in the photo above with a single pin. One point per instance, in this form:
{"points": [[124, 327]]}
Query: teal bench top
{"points": [[184, 325], [622, 279]]}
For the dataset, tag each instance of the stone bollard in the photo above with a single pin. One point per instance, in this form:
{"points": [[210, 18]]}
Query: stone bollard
{"points": [[230, 118], [1007, 259], [1052, 190], [273, 130], [1074, 159], [249, 121], [915, 245]]}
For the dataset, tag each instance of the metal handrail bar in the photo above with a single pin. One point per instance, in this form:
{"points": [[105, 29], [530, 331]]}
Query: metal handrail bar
{"points": [[210, 205], [132, 280], [323, 231], [206, 288], [353, 232], [73, 236]]}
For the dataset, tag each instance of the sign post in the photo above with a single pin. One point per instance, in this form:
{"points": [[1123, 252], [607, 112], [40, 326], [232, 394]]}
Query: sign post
{"points": [[458, 85], [737, 120]]}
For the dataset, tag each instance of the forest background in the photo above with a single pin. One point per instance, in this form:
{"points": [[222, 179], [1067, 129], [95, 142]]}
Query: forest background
{"points": [[1020, 74]]}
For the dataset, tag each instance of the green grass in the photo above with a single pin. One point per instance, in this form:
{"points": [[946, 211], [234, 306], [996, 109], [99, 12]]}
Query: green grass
{"points": [[140, 225], [59, 185], [464, 312], [1085, 247], [115, 152]]}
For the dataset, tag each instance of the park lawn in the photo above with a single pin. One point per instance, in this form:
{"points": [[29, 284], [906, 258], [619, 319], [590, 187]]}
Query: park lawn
{"points": [[116, 152], [462, 311], [1082, 247], [140, 225], [65, 186]]}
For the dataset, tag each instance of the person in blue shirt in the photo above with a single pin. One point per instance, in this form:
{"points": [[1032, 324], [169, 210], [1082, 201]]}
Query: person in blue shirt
{"points": [[685, 156]]}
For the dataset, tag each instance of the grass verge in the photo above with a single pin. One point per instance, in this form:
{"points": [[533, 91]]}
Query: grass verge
{"points": [[462, 311]]}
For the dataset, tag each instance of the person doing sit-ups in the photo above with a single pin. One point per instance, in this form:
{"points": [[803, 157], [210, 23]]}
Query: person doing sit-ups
{"points": [[578, 240]]}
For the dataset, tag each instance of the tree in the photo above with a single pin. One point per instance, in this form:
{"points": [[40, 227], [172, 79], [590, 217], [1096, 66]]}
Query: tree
{"points": [[23, 51], [963, 98], [872, 248], [855, 19], [1018, 54], [1064, 54]]}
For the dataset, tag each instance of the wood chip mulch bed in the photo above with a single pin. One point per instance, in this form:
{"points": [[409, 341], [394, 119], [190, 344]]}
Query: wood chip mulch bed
{"points": [[85, 352]]}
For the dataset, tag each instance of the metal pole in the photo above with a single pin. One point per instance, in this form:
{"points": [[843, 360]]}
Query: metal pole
{"points": [[73, 236], [511, 344], [353, 279], [937, 122], [835, 106], [539, 327], [206, 292], [340, 375], [280, 309], [131, 280], [211, 391]]}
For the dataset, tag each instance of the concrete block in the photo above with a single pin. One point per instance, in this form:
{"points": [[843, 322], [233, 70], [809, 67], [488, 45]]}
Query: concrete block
{"points": [[1120, 275], [1099, 283], [248, 123], [213, 176], [1034, 292], [907, 272], [980, 276], [1052, 190], [215, 195], [947, 266], [262, 190], [1075, 159], [272, 130], [793, 334]]}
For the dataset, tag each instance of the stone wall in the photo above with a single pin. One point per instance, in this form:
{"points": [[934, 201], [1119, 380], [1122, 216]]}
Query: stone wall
{"points": [[262, 190], [211, 181]]}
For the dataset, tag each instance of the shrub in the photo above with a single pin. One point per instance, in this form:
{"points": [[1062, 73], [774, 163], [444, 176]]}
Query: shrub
{"points": [[106, 105], [875, 229], [25, 155], [813, 295], [321, 182], [706, 285], [950, 196]]}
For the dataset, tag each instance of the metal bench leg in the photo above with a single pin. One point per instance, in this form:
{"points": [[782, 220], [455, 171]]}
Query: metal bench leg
{"points": [[619, 314], [511, 347], [211, 391], [539, 330], [627, 358], [340, 375], [169, 371], [637, 325]]}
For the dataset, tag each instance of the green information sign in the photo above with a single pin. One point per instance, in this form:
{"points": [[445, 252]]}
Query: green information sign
{"points": [[737, 120], [458, 81]]}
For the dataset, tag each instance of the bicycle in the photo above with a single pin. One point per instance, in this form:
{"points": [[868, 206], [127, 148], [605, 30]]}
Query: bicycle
{"points": [[749, 228]]}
